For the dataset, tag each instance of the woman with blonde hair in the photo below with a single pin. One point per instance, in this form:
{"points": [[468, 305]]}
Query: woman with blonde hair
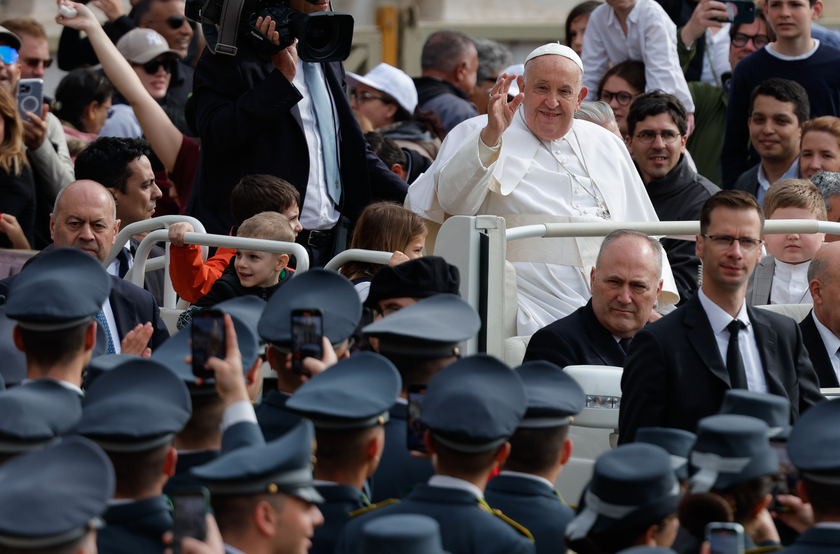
{"points": [[17, 187], [820, 146], [387, 227]]}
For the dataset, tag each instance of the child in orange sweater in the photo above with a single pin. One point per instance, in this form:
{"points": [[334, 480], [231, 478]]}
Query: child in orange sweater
{"points": [[191, 277]]}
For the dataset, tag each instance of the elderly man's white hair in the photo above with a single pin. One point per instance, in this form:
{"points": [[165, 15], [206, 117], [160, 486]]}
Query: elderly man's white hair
{"points": [[598, 112]]}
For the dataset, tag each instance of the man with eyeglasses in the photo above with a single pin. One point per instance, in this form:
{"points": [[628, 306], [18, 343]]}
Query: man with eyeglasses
{"points": [[706, 141], [679, 368], [657, 125], [43, 136], [795, 55]]}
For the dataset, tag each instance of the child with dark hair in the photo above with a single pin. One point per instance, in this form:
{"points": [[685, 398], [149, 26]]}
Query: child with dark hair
{"points": [[193, 278]]}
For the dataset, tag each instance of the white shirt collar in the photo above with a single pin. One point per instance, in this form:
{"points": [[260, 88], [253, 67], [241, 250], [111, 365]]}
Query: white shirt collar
{"points": [[720, 318], [791, 173], [232, 549], [321, 483], [828, 525], [66, 384], [830, 340], [537, 478], [447, 482], [401, 400]]}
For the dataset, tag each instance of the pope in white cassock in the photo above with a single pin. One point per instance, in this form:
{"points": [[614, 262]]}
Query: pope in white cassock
{"points": [[530, 162]]}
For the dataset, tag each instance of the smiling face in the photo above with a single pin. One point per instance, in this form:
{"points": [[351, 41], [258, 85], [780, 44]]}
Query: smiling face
{"points": [[258, 269], [774, 129], [625, 285], [553, 93], [158, 18], [657, 159], [793, 248], [157, 83], [820, 152], [138, 201], [727, 269], [9, 73]]}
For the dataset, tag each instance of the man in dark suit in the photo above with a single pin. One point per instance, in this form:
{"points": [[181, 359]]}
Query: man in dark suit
{"points": [[84, 217], [678, 368], [625, 285], [259, 114], [820, 328]]}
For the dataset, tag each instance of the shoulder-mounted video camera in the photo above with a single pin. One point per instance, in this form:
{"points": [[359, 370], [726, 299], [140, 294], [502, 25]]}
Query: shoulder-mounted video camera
{"points": [[322, 37]]}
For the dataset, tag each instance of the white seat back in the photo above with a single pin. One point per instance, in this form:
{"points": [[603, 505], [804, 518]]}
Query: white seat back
{"points": [[797, 311]]}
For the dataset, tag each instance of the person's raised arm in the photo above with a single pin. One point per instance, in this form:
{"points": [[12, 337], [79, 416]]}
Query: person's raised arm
{"points": [[162, 135]]}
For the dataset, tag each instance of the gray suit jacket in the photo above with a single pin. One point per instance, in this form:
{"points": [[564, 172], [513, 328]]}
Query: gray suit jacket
{"points": [[761, 282]]}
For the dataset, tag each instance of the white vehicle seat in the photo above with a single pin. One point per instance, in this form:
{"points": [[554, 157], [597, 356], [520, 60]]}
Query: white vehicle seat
{"points": [[796, 311]]}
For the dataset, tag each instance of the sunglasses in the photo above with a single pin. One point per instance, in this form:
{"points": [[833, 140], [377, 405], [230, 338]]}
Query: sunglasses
{"points": [[8, 54], [35, 62], [152, 67], [174, 21]]}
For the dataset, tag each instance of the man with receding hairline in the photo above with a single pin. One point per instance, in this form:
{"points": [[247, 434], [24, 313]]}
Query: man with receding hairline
{"points": [[450, 67], [529, 161], [84, 217], [625, 282]]}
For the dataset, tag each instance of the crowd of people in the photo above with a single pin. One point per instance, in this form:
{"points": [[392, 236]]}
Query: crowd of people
{"points": [[379, 435]]}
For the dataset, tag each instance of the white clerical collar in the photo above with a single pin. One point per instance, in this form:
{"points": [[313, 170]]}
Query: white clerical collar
{"points": [[720, 318], [120, 501], [537, 478], [401, 400], [321, 483], [828, 525], [447, 482], [66, 384]]}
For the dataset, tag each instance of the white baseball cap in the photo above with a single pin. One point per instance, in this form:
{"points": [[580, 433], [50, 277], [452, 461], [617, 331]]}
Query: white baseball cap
{"points": [[144, 45], [390, 80], [557, 49]]}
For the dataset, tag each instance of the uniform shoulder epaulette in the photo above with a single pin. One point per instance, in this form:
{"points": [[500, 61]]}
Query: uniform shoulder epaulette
{"points": [[366, 509], [506, 519], [763, 549]]}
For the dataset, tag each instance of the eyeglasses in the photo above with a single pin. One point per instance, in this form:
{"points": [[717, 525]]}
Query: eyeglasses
{"points": [[8, 54], [724, 242], [759, 41], [622, 97], [647, 137], [174, 21], [35, 62], [362, 97], [152, 67]]}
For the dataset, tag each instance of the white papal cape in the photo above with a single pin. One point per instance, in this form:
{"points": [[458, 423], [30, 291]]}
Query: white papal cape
{"points": [[526, 183]]}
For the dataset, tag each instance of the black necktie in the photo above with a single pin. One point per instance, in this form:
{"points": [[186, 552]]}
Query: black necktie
{"points": [[122, 256], [625, 344], [734, 361]]}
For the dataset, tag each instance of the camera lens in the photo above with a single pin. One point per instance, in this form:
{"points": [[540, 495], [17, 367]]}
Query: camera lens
{"points": [[320, 35]]}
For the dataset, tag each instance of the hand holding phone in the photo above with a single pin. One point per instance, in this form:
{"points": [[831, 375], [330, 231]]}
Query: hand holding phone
{"points": [[416, 432], [30, 97], [191, 506], [725, 538], [208, 340], [739, 12], [307, 337]]}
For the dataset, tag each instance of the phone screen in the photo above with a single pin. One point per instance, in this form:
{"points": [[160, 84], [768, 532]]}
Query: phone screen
{"points": [[189, 516], [726, 541], [416, 428], [786, 479], [307, 336], [208, 340]]}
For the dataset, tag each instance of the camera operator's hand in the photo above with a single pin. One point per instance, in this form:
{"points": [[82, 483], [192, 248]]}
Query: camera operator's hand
{"points": [[285, 61]]}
